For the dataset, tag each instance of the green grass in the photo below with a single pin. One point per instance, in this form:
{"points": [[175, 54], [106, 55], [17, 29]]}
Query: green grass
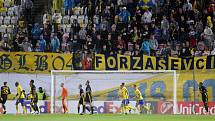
{"points": [[108, 117]]}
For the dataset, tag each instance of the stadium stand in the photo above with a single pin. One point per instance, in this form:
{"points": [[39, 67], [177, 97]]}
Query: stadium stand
{"points": [[177, 28]]}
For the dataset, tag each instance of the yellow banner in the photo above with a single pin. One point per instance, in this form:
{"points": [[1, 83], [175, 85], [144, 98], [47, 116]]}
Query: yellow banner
{"points": [[125, 62], [22, 62]]}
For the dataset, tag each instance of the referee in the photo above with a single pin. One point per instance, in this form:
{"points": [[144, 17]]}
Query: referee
{"points": [[203, 91], [81, 100], [5, 91], [88, 97]]}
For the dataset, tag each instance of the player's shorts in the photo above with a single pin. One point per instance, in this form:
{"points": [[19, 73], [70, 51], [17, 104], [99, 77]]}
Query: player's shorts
{"points": [[125, 101], [204, 97], [81, 101], [21, 100], [88, 99], [34, 100], [140, 102]]}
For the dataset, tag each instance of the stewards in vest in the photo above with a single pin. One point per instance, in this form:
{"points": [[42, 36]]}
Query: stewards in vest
{"points": [[41, 94]]}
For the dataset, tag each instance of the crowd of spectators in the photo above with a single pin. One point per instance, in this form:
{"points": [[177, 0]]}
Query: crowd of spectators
{"points": [[178, 28]]}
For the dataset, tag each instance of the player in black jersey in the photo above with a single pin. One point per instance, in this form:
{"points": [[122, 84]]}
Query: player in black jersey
{"points": [[5, 91], [81, 99], [88, 96], [203, 91], [34, 98]]}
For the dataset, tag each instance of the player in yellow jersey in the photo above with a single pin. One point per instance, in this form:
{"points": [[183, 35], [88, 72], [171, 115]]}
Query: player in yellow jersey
{"points": [[20, 96], [125, 99], [139, 100]]}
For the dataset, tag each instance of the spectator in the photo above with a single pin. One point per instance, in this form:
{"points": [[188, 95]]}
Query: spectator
{"points": [[36, 32], [165, 29], [55, 43], [42, 44], [147, 17], [41, 94], [185, 50], [28, 6], [64, 44], [153, 45], [26, 46], [145, 48], [124, 15]]}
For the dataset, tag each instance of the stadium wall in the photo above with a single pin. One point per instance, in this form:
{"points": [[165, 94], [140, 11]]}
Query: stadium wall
{"points": [[113, 107], [154, 87]]}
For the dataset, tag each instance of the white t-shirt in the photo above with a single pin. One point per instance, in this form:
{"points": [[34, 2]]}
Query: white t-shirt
{"points": [[81, 19], [1, 20], [16, 10], [7, 3], [14, 20], [77, 10], [10, 29], [10, 11], [7, 20], [66, 19], [147, 17], [72, 18], [96, 19], [57, 17], [3, 28], [68, 28]]}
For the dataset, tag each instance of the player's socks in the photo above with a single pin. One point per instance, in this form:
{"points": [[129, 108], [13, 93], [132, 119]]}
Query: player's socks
{"points": [[84, 108], [78, 110], [24, 109], [17, 109], [36, 107], [92, 110], [138, 108], [4, 107], [88, 109], [131, 107]]}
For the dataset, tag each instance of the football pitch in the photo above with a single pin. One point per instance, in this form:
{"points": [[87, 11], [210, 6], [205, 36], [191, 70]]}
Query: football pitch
{"points": [[108, 117]]}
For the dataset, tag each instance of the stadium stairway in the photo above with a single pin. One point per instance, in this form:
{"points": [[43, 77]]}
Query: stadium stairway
{"points": [[39, 8]]}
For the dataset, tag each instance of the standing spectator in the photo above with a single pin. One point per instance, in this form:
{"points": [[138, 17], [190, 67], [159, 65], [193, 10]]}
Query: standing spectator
{"points": [[147, 17], [42, 44], [28, 6], [47, 32], [68, 5], [165, 29], [35, 32], [145, 47], [153, 45], [75, 27], [185, 50], [55, 43], [124, 15], [208, 36], [26, 46], [64, 44]]}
